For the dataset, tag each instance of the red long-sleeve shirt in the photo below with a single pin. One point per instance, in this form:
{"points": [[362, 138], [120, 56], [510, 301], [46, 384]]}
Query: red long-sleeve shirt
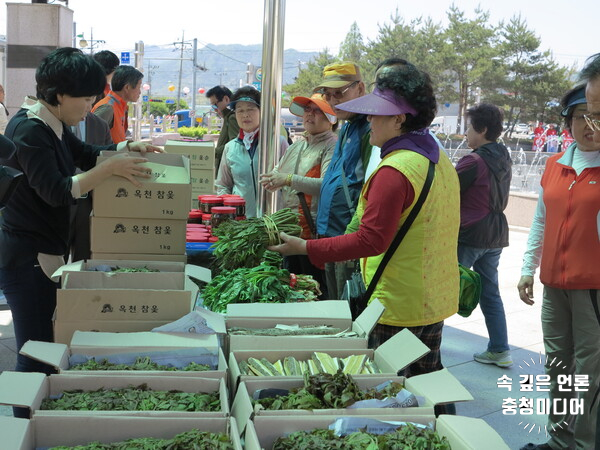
{"points": [[388, 196]]}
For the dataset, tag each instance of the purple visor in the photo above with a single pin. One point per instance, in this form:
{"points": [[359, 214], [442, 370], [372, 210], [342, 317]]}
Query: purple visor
{"points": [[378, 103]]}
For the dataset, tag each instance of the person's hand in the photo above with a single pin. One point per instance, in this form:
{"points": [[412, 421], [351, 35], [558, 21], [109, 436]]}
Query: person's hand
{"points": [[291, 245], [144, 148], [273, 181], [128, 167], [525, 287]]}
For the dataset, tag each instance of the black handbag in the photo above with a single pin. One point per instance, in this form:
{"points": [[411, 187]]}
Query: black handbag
{"points": [[355, 292]]}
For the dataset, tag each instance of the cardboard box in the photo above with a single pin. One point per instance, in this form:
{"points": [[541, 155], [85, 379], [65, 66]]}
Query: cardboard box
{"points": [[53, 431], [436, 388], [335, 313], [64, 329], [393, 355], [139, 235], [362, 326], [463, 433], [200, 153], [58, 356], [169, 275], [140, 257], [203, 182], [164, 196], [29, 389]]}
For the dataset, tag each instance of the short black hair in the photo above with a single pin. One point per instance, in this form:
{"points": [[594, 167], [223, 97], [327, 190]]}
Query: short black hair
{"points": [[591, 71], [488, 116], [68, 70], [564, 102], [247, 91], [108, 60], [219, 92], [125, 75], [415, 86]]}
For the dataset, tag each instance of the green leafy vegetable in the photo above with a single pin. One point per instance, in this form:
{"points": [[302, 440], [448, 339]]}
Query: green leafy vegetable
{"points": [[324, 391], [141, 363], [139, 398], [242, 243], [406, 437], [257, 284], [189, 440]]}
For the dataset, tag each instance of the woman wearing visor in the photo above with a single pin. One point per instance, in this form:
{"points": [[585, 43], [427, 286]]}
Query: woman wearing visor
{"points": [[419, 286], [300, 173]]}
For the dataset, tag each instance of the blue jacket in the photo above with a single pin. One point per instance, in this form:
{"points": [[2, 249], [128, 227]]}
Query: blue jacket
{"points": [[351, 156]]}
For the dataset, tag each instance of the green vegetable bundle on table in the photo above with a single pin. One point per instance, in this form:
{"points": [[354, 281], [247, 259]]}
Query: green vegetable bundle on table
{"points": [[139, 398], [140, 363], [406, 437], [319, 363], [189, 440], [324, 391], [243, 243], [262, 283]]}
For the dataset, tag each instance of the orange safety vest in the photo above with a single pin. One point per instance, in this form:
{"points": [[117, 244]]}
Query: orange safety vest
{"points": [[119, 125], [571, 234]]}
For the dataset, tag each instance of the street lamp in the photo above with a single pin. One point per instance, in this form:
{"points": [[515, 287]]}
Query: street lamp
{"points": [[83, 43]]}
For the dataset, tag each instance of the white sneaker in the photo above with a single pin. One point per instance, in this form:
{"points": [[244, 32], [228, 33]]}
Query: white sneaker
{"points": [[501, 359]]}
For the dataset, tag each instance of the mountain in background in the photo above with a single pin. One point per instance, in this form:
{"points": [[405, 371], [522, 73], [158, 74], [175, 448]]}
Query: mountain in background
{"points": [[225, 64]]}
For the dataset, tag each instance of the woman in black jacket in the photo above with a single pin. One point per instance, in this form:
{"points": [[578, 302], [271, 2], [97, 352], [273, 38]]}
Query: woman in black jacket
{"points": [[34, 227]]}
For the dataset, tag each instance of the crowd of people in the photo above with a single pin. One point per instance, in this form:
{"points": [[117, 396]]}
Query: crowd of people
{"points": [[372, 186]]}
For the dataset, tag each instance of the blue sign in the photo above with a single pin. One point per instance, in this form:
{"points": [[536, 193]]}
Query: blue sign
{"points": [[125, 58], [144, 98], [170, 102], [257, 85]]}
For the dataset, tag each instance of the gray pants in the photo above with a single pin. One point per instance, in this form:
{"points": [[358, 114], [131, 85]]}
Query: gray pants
{"points": [[336, 274], [571, 327]]}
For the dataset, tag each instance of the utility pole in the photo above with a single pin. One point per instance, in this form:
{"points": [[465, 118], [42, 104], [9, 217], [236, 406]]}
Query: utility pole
{"points": [[183, 44]]}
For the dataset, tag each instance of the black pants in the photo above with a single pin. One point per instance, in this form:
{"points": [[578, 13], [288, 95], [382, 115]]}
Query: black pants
{"points": [[31, 297]]}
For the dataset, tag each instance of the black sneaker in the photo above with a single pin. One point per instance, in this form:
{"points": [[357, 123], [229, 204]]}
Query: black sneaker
{"points": [[531, 446]]}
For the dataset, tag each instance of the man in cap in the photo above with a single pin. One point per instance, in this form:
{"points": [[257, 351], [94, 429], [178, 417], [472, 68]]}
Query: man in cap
{"points": [[345, 176], [219, 97]]}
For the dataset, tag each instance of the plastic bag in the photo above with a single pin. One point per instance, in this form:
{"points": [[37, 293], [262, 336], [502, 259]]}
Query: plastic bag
{"points": [[470, 290]]}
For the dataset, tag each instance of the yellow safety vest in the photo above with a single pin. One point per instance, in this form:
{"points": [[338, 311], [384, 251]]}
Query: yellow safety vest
{"points": [[420, 283]]}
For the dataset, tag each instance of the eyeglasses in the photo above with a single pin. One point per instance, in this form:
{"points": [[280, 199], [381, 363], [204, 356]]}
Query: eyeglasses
{"points": [[594, 124], [336, 94], [313, 111]]}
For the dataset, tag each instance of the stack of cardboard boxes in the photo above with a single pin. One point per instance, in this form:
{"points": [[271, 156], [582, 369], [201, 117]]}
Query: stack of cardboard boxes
{"points": [[147, 222], [202, 163]]}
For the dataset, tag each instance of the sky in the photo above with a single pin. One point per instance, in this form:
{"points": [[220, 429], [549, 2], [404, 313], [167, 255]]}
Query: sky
{"points": [[565, 28]]}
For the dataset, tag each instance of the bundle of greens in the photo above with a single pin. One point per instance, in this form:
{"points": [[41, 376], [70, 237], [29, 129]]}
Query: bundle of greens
{"points": [[139, 398], [242, 243], [262, 283], [189, 440], [318, 363], [140, 363], [323, 391], [406, 437], [133, 270]]}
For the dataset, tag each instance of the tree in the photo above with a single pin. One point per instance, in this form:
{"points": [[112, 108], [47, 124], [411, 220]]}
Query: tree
{"points": [[471, 57], [310, 77], [528, 80], [352, 48]]}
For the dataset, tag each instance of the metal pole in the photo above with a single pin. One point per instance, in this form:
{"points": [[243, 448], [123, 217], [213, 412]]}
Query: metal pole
{"points": [[194, 68], [272, 71], [137, 108]]}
